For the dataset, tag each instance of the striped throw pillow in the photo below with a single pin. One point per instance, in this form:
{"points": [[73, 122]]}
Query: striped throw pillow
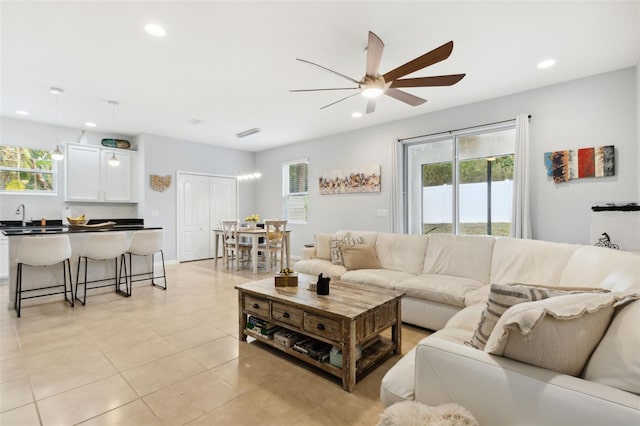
{"points": [[504, 296]]}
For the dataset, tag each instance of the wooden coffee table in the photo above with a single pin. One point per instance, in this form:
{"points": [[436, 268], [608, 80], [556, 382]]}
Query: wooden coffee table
{"points": [[350, 316]]}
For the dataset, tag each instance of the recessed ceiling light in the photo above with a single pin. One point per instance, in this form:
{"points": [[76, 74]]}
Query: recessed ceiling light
{"points": [[155, 30], [356, 114], [56, 91], [90, 124], [547, 63], [194, 121], [21, 112]]}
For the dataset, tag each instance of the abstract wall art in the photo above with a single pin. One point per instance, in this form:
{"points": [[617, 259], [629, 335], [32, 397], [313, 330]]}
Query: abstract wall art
{"points": [[583, 163], [344, 181]]}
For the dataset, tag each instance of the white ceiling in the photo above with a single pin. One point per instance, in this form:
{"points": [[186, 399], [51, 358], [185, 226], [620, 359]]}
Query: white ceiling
{"points": [[232, 64]]}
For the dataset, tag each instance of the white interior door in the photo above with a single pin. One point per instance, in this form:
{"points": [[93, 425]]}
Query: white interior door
{"points": [[223, 204], [193, 217]]}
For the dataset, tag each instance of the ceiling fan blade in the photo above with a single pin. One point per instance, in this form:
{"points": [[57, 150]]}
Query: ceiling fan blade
{"points": [[375, 47], [340, 100], [371, 106], [321, 90], [405, 97], [331, 71], [436, 55], [441, 80]]}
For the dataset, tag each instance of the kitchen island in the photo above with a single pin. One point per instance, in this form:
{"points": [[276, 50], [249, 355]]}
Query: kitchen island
{"points": [[40, 277]]}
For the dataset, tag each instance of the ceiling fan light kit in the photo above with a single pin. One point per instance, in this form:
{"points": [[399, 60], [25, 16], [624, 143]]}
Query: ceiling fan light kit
{"points": [[372, 85]]}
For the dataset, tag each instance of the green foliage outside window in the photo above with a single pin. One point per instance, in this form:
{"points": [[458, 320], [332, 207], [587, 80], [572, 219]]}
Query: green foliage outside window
{"points": [[471, 171], [26, 170]]}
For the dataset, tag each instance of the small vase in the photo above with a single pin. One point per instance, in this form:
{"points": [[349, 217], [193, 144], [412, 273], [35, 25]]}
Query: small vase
{"points": [[251, 225]]}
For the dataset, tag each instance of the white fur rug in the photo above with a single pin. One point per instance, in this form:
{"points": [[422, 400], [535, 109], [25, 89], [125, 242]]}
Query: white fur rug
{"points": [[411, 413]]}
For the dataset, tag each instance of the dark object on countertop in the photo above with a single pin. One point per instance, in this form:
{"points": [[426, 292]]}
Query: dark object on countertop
{"points": [[116, 143], [323, 285]]}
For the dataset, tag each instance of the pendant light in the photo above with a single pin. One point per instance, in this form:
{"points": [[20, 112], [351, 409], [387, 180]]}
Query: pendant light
{"points": [[57, 154], [113, 161]]}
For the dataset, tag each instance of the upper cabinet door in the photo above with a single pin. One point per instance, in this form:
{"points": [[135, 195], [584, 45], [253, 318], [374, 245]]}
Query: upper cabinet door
{"points": [[90, 178], [117, 182], [82, 173]]}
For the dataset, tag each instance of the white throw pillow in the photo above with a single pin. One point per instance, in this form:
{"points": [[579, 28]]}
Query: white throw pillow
{"points": [[322, 246], [558, 333], [616, 360]]}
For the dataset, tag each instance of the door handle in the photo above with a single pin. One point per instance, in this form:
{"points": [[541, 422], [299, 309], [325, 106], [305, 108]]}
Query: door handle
{"points": [[256, 306], [320, 326], [285, 315]]}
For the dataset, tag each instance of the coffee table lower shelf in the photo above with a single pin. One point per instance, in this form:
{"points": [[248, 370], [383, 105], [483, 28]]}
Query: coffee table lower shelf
{"points": [[370, 355]]}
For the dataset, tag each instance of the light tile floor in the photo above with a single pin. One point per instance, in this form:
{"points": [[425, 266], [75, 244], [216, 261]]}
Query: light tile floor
{"points": [[166, 358]]}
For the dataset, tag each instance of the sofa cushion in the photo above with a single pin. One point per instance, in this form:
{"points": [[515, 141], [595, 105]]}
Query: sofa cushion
{"points": [[479, 295], [439, 288], [359, 256], [460, 256], [316, 266], [590, 266], [616, 360], [337, 242], [504, 296], [401, 252], [467, 318], [384, 278], [322, 246], [558, 333], [529, 261]]}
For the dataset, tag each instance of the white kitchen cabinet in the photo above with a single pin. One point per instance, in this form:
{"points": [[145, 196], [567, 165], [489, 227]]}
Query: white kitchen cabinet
{"points": [[90, 178], [118, 182], [82, 173]]}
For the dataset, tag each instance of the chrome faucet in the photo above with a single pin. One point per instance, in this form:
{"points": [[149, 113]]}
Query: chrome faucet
{"points": [[19, 210]]}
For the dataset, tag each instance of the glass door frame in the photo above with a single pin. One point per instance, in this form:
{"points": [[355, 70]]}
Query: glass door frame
{"points": [[438, 137]]}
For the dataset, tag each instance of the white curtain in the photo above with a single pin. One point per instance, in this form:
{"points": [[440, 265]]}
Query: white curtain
{"points": [[395, 183], [521, 206]]}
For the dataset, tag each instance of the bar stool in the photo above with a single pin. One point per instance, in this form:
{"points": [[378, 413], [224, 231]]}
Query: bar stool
{"points": [[44, 251], [145, 243], [102, 247]]}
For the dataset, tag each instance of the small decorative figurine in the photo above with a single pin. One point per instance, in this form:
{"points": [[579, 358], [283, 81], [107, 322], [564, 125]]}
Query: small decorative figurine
{"points": [[323, 285]]}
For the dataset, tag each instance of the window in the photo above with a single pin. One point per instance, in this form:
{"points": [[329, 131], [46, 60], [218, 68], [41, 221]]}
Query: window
{"points": [[26, 170], [461, 183], [295, 191]]}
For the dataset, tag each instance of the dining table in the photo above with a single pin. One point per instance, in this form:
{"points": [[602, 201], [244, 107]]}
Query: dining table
{"points": [[253, 234]]}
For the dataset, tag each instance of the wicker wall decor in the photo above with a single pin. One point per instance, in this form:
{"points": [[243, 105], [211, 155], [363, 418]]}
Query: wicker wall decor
{"points": [[160, 183]]}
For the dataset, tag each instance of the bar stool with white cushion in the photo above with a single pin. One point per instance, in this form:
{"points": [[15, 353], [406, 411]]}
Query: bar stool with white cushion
{"points": [[145, 243], [43, 251], [104, 246]]}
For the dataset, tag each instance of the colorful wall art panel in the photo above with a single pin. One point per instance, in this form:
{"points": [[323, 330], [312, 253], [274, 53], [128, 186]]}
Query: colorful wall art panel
{"points": [[343, 181], [583, 163]]}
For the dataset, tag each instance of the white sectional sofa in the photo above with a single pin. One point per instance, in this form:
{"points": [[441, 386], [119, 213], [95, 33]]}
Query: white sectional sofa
{"points": [[447, 279]]}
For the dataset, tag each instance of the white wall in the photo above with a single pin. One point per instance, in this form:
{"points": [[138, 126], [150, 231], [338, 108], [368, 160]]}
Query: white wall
{"points": [[165, 156], [36, 135], [593, 111]]}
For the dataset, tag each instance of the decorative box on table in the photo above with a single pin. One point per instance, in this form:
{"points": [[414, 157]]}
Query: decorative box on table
{"points": [[286, 278]]}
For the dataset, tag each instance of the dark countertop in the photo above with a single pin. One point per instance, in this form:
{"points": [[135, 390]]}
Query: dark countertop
{"points": [[13, 227]]}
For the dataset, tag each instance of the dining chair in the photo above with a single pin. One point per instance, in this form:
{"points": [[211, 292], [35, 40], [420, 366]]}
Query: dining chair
{"points": [[275, 234], [233, 248]]}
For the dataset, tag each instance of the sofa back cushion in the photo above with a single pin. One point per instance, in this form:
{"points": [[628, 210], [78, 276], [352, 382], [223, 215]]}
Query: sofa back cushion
{"points": [[529, 261], [616, 360], [401, 252], [602, 267], [460, 256]]}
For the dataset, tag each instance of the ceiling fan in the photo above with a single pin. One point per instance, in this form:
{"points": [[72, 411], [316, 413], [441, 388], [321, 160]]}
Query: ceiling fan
{"points": [[373, 84]]}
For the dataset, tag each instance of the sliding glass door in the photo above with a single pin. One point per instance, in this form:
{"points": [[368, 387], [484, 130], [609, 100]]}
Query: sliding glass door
{"points": [[460, 182]]}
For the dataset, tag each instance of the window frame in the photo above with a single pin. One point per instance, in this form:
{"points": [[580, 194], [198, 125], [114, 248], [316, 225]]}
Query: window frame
{"points": [[287, 195], [453, 136], [53, 172]]}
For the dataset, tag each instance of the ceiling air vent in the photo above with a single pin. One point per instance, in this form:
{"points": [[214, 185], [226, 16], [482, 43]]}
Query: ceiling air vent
{"points": [[248, 132]]}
